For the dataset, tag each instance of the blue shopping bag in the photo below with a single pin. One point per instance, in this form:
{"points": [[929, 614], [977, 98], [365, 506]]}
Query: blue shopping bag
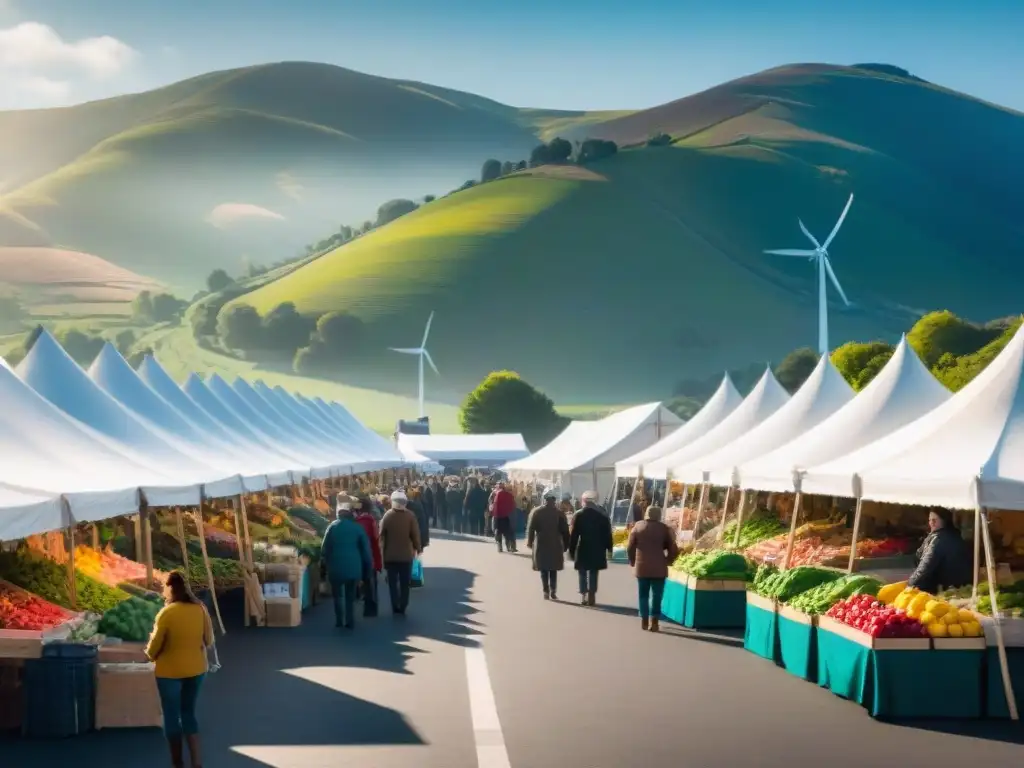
{"points": [[417, 573]]}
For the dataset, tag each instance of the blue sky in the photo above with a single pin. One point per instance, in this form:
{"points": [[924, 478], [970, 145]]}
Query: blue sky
{"points": [[570, 54]]}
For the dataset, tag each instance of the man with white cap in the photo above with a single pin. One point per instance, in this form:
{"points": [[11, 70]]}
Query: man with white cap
{"points": [[400, 544], [346, 551], [547, 534], [590, 545]]}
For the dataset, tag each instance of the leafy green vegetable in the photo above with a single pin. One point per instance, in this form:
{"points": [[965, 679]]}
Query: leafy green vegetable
{"points": [[758, 528], [819, 599], [132, 620], [49, 580]]}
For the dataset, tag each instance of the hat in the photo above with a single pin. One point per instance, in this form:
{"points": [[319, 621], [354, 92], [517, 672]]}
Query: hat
{"points": [[399, 497], [550, 493], [566, 497], [589, 496], [344, 506]]}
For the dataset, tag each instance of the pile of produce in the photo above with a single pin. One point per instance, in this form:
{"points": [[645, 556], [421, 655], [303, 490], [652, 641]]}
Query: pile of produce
{"points": [[939, 617], [132, 620], [111, 568], [20, 610], [819, 599], [815, 550], [272, 517], [714, 564], [1009, 598], [758, 528], [620, 536], [310, 549], [865, 613], [48, 580], [310, 517], [785, 585], [227, 574]]}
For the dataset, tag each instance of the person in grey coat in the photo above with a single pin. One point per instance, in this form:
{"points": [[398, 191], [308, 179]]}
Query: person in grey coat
{"points": [[547, 534]]}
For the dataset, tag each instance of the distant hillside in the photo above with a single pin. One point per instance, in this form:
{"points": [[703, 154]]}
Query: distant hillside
{"points": [[610, 282], [136, 179]]}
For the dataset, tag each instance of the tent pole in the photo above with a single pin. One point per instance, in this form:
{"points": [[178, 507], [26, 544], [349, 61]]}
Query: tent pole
{"points": [[206, 562], [137, 535], [147, 542], [1004, 666], [725, 513], [632, 496], [700, 513], [792, 531], [72, 581], [977, 555], [739, 518], [95, 536], [181, 538], [856, 531]]}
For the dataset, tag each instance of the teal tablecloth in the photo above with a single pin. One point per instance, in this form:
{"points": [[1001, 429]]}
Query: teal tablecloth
{"points": [[844, 667], [931, 684], [305, 592], [798, 648], [673, 601], [995, 697], [759, 633], [715, 609]]}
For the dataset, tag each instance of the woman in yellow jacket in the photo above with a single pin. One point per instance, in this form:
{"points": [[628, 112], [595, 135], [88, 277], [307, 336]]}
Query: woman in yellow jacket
{"points": [[181, 635]]}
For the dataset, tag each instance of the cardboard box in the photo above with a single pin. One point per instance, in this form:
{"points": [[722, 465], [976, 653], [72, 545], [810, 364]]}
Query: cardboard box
{"points": [[126, 697], [20, 644], [122, 653], [283, 611]]}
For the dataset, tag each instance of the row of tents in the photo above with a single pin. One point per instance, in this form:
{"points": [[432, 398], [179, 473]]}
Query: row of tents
{"points": [[86, 445]]}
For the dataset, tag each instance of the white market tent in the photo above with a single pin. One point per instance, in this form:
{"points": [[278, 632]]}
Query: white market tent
{"points": [[583, 457], [484, 448], [24, 514], [278, 468], [724, 401], [368, 442], [764, 399], [345, 416], [901, 392], [823, 393]]}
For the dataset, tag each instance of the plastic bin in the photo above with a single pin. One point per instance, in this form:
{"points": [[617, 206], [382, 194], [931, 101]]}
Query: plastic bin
{"points": [[60, 692]]}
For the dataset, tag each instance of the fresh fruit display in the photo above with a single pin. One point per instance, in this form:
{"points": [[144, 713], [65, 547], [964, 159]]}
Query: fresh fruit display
{"points": [[311, 517], [48, 580], [132, 620], [757, 528], [785, 585], [865, 613], [890, 592], [939, 617], [815, 550], [24, 611], [227, 574], [620, 536], [819, 599], [1009, 598], [272, 517], [110, 568], [713, 564]]}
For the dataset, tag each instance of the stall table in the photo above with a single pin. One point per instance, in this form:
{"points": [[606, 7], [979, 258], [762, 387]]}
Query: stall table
{"points": [[760, 633], [798, 643], [715, 604], [673, 601]]}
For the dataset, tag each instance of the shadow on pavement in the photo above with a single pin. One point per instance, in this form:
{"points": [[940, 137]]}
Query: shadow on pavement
{"points": [[255, 701]]}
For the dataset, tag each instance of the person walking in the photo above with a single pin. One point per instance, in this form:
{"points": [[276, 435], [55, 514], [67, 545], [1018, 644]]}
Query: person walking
{"points": [[400, 544], [182, 635], [475, 505], [503, 506], [547, 535], [420, 501], [366, 518], [454, 501], [346, 551], [590, 545], [651, 548]]}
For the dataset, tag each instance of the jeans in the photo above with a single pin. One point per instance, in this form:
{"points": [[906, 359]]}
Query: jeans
{"points": [[370, 595], [503, 532], [588, 581], [344, 594], [550, 581], [178, 699], [399, 576], [651, 591]]}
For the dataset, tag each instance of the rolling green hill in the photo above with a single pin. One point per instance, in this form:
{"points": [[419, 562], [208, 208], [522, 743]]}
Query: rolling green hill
{"points": [[134, 179], [607, 283]]}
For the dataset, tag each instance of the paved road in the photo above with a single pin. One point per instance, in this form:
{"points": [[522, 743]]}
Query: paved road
{"points": [[485, 673]]}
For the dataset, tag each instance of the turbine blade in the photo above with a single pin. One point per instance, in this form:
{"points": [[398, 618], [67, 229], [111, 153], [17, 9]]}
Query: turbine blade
{"points": [[835, 281], [807, 232], [792, 252], [839, 223], [426, 331], [431, 361], [405, 351]]}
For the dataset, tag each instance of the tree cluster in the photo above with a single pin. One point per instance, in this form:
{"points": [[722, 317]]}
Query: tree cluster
{"points": [[595, 149], [12, 314], [505, 403], [554, 152], [149, 308], [338, 338]]}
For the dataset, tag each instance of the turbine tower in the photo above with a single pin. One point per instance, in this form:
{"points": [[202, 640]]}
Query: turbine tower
{"points": [[423, 354], [820, 255]]}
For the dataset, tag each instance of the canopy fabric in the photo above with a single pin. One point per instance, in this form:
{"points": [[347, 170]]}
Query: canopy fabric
{"points": [[25, 514], [724, 401], [489, 448], [823, 393], [764, 399], [369, 442], [346, 417], [901, 392], [968, 451], [566, 443], [276, 467]]}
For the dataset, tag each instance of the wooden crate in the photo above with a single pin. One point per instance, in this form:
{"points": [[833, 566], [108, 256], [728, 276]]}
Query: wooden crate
{"points": [[126, 697], [122, 653], [20, 644], [877, 643], [283, 611]]}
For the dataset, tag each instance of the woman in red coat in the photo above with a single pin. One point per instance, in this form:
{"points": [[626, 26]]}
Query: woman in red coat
{"points": [[364, 516]]}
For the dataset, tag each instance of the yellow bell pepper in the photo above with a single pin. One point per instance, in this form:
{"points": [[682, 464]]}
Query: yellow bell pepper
{"points": [[888, 594], [925, 618], [952, 617], [938, 629], [955, 630], [937, 608]]}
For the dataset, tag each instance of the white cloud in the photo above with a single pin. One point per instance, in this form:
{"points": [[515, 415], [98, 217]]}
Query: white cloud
{"points": [[228, 214], [34, 88], [33, 49]]}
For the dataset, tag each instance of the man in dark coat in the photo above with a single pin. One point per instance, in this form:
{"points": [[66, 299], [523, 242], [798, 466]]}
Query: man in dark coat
{"points": [[590, 545], [547, 534], [439, 510], [418, 507], [453, 502], [475, 506]]}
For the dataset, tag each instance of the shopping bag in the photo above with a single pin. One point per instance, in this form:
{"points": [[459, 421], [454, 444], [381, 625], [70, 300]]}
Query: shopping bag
{"points": [[417, 573]]}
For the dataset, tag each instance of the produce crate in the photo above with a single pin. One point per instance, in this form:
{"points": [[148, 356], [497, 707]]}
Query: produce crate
{"points": [[122, 653], [673, 601], [798, 643], [127, 697], [283, 611], [760, 634], [995, 696], [715, 604], [20, 644]]}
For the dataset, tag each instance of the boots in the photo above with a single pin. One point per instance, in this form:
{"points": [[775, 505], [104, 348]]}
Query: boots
{"points": [[193, 749], [177, 756], [654, 625], [592, 598], [644, 623]]}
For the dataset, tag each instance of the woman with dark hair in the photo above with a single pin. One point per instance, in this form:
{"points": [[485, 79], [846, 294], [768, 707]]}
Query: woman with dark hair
{"points": [[943, 561], [182, 633]]}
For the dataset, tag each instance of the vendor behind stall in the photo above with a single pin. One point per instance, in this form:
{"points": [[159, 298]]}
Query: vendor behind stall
{"points": [[943, 561]]}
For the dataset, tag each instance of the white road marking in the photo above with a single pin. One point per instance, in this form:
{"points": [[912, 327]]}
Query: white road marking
{"points": [[490, 741]]}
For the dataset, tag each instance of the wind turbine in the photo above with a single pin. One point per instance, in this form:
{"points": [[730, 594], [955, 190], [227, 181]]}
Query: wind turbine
{"points": [[820, 255], [423, 354]]}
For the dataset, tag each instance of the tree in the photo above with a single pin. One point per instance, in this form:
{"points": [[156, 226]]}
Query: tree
{"points": [[507, 167], [521, 165], [559, 150], [12, 313], [142, 306], [124, 341], [684, 407], [491, 170], [82, 347], [428, 199], [165, 308], [339, 338], [218, 280], [284, 329], [853, 357], [596, 149], [659, 140], [394, 209], [939, 332], [794, 369], [540, 156], [239, 327], [467, 184], [503, 402]]}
